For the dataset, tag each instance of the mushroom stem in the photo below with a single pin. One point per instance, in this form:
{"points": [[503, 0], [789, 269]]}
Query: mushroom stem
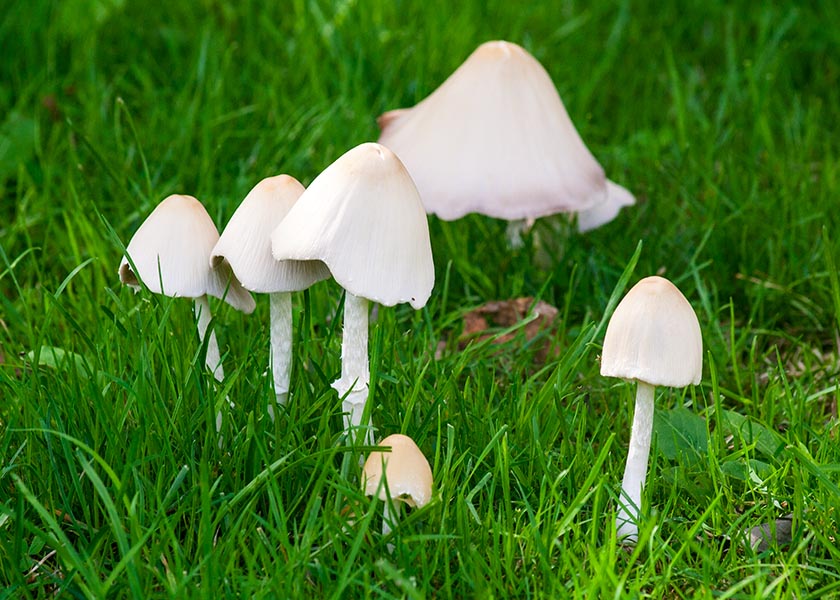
{"points": [[280, 315], [352, 386], [212, 359], [390, 518], [515, 229], [629, 509]]}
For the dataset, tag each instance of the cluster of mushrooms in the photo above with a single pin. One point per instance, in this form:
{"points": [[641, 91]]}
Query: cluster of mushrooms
{"points": [[363, 222]]}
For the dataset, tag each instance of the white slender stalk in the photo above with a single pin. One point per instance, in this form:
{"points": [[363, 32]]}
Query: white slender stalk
{"points": [[280, 316], [355, 371], [213, 358], [629, 510], [390, 518], [515, 229]]}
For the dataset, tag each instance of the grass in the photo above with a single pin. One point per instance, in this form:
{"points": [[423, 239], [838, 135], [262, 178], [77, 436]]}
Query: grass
{"points": [[721, 117]]}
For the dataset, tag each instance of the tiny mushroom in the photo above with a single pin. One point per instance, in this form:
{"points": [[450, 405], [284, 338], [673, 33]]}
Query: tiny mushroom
{"points": [[363, 218], [530, 163], [170, 254], [245, 245], [399, 474], [653, 337]]}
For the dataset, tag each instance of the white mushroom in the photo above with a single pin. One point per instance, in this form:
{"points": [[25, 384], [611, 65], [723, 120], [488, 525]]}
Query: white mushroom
{"points": [[653, 337], [245, 245], [495, 139], [171, 252], [363, 218], [400, 474]]}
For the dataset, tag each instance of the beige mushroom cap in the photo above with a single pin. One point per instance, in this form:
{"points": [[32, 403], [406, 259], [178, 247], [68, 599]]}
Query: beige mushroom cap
{"points": [[407, 472], [363, 218], [171, 252], [495, 139], [654, 336], [246, 241]]}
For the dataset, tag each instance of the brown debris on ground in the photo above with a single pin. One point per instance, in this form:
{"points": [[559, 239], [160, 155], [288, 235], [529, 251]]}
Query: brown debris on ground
{"points": [[484, 323]]}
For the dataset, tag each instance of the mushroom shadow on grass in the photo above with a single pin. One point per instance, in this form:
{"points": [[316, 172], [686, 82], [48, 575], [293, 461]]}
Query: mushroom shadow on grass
{"points": [[363, 218], [653, 338], [245, 245], [170, 254]]}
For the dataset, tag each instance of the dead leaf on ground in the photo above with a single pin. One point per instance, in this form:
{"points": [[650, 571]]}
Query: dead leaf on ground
{"points": [[484, 322]]}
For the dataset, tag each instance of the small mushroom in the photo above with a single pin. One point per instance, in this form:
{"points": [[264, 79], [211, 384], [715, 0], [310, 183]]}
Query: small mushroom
{"points": [[170, 253], [495, 139], [245, 245], [363, 218], [400, 474], [653, 337]]}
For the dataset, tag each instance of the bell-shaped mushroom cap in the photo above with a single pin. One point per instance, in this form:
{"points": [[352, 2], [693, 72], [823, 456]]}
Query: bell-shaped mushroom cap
{"points": [[171, 252], [407, 472], [654, 336], [362, 216], [495, 139], [246, 241]]}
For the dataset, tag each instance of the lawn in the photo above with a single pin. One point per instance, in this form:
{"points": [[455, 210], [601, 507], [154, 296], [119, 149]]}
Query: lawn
{"points": [[723, 118]]}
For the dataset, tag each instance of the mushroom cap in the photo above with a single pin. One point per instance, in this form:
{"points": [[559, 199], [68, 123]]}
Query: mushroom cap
{"points": [[363, 218], [407, 472], [171, 252], [495, 139], [246, 241], [654, 336]]}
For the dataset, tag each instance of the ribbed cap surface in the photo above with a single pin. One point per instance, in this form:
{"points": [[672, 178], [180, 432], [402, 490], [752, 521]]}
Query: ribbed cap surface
{"points": [[363, 218], [171, 251], [246, 241], [654, 336]]}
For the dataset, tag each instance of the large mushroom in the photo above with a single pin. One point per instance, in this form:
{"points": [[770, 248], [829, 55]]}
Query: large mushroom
{"points": [[653, 338], [363, 218], [245, 245], [495, 139], [400, 474], [170, 254]]}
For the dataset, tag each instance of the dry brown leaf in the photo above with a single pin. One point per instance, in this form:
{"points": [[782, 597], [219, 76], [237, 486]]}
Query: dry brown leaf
{"points": [[502, 314]]}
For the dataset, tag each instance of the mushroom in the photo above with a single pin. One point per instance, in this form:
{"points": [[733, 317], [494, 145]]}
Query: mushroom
{"points": [[495, 139], [245, 245], [363, 218], [653, 337], [170, 254], [399, 474]]}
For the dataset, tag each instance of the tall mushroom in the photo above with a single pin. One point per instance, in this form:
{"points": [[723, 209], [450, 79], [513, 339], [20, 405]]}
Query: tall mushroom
{"points": [[363, 218], [400, 474], [495, 139], [170, 253], [245, 245], [653, 337]]}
